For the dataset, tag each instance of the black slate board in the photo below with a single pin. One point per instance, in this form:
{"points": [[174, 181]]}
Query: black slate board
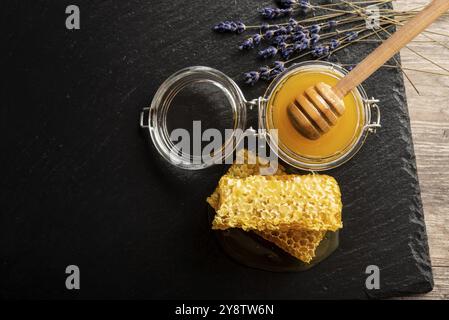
{"points": [[80, 184]]}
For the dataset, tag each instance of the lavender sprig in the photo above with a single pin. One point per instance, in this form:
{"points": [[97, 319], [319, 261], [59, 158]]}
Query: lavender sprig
{"points": [[351, 36], [314, 38], [278, 40], [250, 43], [251, 77], [315, 28], [301, 4], [268, 34], [293, 23], [304, 5], [302, 45], [331, 24], [265, 73], [273, 13], [299, 36], [229, 27], [264, 27], [334, 44], [268, 52], [286, 52], [286, 3], [320, 51]]}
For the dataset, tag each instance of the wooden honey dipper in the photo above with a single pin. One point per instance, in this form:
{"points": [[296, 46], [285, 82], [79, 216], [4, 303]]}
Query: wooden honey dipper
{"points": [[315, 111]]}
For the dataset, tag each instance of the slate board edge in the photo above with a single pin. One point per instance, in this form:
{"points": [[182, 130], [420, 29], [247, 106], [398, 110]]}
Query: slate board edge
{"points": [[419, 243]]}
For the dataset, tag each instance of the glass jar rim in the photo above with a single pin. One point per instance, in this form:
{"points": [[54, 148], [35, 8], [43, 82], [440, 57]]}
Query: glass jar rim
{"points": [[157, 115], [304, 163]]}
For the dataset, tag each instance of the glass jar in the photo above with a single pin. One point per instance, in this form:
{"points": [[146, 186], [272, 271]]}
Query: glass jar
{"points": [[155, 118]]}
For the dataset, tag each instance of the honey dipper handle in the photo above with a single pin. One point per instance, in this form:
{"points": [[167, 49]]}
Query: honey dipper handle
{"points": [[391, 46]]}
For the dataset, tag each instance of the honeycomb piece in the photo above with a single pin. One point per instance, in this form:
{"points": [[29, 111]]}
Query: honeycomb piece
{"points": [[299, 243], [242, 170], [279, 203]]}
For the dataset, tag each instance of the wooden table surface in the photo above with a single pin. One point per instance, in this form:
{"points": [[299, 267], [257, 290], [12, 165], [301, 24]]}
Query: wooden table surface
{"points": [[429, 113]]}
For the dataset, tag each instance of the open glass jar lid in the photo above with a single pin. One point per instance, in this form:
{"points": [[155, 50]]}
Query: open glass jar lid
{"points": [[198, 117]]}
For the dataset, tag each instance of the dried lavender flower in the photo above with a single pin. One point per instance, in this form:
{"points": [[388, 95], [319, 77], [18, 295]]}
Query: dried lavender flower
{"points": [[304, 6], [278, 68], [298, 28], [257, 38], [230, 27], [315, 29], [250, 43], [287, 3], [247, 44], [268, 35], [332, 24], [282, 45], [268, 52], [351, 36], [286, 52], [320, 51], [304, 44], [272, 13], [298, 36], [280, 65], [279, 39], [251, 77], [280, 31], [265, 73], [240, 27], [292, 22], [314, 38], [334, 44], [264, 27]]}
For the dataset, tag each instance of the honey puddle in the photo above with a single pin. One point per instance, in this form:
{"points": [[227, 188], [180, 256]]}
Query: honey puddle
{"points": [[253, 251]]}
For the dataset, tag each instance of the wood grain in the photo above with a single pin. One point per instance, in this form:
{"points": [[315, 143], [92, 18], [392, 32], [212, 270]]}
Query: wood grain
{"points": [[391, 46], [429, 112]]}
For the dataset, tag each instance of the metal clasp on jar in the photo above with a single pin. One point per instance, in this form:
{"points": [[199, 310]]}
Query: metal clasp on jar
{"points": [[255, 103], [373, 126], [142, 123], [260, 104]]}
